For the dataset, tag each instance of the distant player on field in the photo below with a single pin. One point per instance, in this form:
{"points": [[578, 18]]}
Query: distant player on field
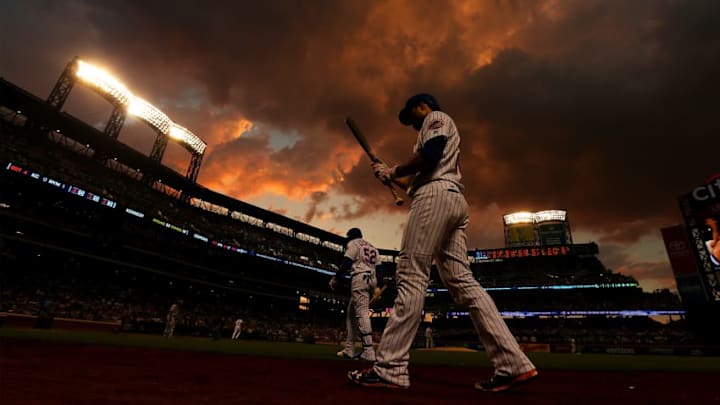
{"points": [[362, 261], [171, 319], [238, 329], [429, 343]]}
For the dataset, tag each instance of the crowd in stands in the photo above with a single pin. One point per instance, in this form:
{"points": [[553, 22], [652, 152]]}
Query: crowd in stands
{"points": [[66, 161]]}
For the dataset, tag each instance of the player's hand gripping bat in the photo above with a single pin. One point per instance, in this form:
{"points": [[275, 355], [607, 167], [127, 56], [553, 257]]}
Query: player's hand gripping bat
{"points": [[366, 147]]}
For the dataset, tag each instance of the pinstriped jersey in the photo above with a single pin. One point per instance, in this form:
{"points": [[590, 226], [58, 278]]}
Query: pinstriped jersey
{"points": [[437, 123], [173, 312], [363, 255]]}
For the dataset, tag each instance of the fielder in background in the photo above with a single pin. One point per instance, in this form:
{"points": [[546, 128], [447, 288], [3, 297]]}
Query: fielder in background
{"points": [[238, 329], [171, 319], [435, 231], [429, 343], [362, 262]]}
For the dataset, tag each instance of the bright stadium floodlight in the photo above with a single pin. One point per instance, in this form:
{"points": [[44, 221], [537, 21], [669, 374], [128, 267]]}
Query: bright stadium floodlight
{"points": [[110, 87], [104, 82], [522, 217], [147, 112], [550, 215], [182, 134]]}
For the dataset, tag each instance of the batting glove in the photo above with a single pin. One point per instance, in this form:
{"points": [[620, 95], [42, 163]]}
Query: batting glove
{"points": [[384, 173]]}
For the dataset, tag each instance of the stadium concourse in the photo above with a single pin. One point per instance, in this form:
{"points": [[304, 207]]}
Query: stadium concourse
{"points": [[88, 235]]}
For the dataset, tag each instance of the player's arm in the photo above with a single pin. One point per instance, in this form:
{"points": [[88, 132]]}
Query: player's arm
{"points": [[425, 159], [344, 270]]}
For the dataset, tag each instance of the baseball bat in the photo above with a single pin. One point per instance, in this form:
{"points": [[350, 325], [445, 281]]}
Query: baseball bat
{"points": [[371, 154]]}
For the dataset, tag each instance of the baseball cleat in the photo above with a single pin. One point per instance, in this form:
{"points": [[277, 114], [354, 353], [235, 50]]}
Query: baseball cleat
{"points": [[345, 355], [504, 382], [369, 378]]}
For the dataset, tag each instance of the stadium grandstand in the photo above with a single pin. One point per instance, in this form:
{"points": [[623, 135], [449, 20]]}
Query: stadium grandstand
{"points": [[95, 230]]}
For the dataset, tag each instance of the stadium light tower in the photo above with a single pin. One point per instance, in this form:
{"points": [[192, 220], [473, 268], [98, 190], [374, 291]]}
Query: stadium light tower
{"points": [[125, 102]]}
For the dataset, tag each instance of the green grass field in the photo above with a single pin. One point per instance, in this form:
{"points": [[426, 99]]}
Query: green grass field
{"points": [[327, 352]]}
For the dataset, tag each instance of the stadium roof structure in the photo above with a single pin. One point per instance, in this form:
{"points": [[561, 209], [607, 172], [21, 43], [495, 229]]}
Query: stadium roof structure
{"points": [[41, 113]]}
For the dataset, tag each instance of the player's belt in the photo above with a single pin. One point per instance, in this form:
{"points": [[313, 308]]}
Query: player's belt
{"points": [[452, 187], [359, 273]]}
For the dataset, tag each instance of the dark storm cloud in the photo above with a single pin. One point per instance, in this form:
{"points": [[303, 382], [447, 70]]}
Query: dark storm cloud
{"points": [[271, 58], [604, 108], [613, 127]]}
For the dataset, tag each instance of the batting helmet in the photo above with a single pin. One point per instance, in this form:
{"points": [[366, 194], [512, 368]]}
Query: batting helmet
{"points": [[354, 233], [405, 117]]}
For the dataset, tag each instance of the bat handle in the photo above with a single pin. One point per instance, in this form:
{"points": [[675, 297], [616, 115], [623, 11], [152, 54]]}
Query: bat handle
{"points": [[398, 200]]}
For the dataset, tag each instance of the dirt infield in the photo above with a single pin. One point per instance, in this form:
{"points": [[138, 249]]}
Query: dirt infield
{"points": [[36, 372]]}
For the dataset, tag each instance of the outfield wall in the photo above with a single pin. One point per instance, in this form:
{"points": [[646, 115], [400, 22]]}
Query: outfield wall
{"points": [[10, 320]]}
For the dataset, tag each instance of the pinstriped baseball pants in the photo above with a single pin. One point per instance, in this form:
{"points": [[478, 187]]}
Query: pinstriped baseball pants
{"points": [[436, 230], [357, 318]]}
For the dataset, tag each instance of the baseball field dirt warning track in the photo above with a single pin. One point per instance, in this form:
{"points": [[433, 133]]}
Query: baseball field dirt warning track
{"points": [[51, 372]]}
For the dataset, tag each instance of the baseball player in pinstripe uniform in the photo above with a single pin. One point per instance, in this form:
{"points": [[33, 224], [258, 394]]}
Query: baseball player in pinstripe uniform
{"points": [[435, 231], [362, 261], [171, 319]]}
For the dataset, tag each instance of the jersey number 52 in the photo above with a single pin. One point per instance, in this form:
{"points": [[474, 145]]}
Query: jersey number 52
{"points": [[369, 255]]}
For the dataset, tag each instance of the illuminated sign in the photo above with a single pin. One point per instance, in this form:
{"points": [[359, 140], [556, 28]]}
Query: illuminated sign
{"points": [[550, 215], [628, 312], [525, 217], [710, 234], [518, 218], [679, 250], [701, 211], [134, 213], [516, 253], [548, 287], [67, 187], [707, 192], [552, 234], [521, 234]]}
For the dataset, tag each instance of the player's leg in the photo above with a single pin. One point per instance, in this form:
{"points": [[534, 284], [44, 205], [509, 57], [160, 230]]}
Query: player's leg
{"points": [[499, 343], [424, 230], [351, 326], [361, 297], [171, 327]]}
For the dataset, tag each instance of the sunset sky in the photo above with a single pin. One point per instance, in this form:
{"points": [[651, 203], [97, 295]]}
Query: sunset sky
{"points": [[603, 108]]}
